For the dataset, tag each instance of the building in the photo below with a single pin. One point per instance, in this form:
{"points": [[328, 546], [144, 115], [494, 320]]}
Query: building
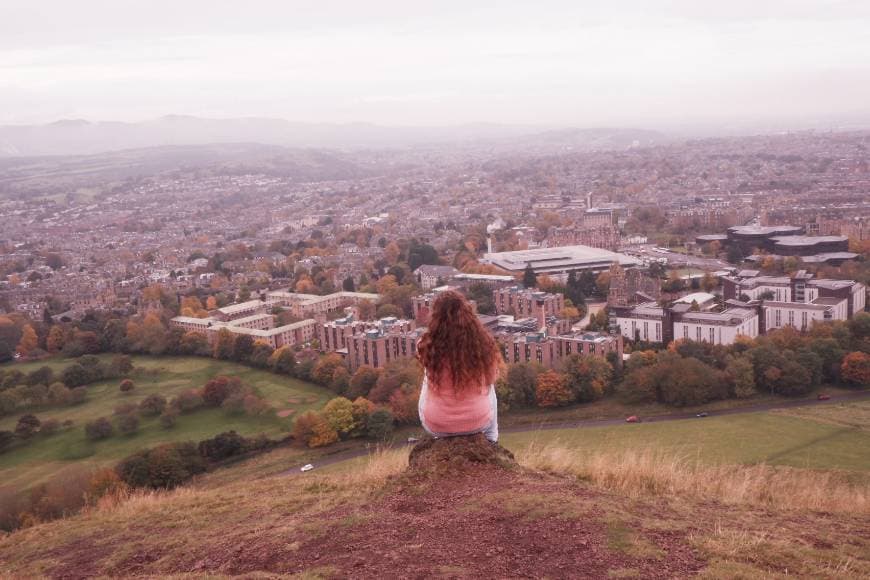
{"points": [[652, 323], [242, 310], [489, 280], [632, 286], [558, 262], [550, 350], [801, 287], [333, 335], [801, 315], [429, 276], [311, 305], [421, 304], [527, 302], [388, 341], [260, 327]]}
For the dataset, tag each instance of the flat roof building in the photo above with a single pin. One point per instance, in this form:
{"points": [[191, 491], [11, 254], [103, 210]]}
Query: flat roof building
{"points": [[558, 262]]}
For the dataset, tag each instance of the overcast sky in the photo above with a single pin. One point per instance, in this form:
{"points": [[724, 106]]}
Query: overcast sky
{"points": [[578, 62]]}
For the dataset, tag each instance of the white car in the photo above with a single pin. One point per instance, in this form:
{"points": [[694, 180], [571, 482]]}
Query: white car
{"points": [[306, 467]]}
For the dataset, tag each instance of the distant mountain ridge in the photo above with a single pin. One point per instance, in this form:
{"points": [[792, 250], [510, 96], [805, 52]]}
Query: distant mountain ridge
{"points": [[82, 137]]}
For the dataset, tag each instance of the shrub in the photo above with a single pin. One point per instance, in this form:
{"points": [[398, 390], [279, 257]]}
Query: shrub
{"points": [[152, 405], [126, 386], [78, 395], [128, 423], [188, 401], [380, 424], [27, 426], [125, 409], [257, 406], [216, 391], [99, 429], [6, 440], [49, 427], [169, 417], [75, 375], [222, 446], [59, 394], [163, 467]]}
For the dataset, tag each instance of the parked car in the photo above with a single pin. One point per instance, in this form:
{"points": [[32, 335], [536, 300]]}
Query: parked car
{"points": [[306, 467], [823, 397], [632, 419], [702, 414]]}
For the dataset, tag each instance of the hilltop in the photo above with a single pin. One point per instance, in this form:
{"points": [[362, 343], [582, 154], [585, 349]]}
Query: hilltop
{"points": [[552, 514]]}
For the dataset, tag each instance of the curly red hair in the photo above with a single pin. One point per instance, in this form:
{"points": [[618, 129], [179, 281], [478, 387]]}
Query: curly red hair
{"points": [[457, 346]]}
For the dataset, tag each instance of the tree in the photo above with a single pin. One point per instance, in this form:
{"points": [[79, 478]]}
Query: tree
{"points": [[339, 414], [152, 405], [312, 429], [363, 381], [530, 280], [602, 283], [27, 426], [6, 440], [551, 390], [325, 368], [29, 341], [222, 446], [283, 361], [260, 354], [587, 377], [347, 284], [211, 303], [522, 380], [55, 340], [362, 409], [75, 375], [128, 423], [243, 347], [127, 386], [386, 310], [224, 345], [59, 394], [9, 337], [396, 374], [169, 417], [99, 429], [740, 376], [856, 368], [380, 424]]}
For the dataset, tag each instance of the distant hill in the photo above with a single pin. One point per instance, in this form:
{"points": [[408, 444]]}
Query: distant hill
{"points": [[81, 137]]}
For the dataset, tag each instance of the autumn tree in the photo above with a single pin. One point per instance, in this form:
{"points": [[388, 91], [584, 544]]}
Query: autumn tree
{"points": [[224, 345], [856, 368], [55, 340], [740, 376], [363, 381], [339, 414], [552, 391], [283, 361], [325, 368], [126, 386], [587, 377], [29, 341]]}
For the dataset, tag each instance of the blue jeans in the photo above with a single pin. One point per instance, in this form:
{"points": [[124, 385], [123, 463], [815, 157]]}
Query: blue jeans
{"points": [[489, 431]]}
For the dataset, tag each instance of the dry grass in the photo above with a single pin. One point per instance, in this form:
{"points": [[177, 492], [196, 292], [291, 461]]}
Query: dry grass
{"points": [[649, 472]]}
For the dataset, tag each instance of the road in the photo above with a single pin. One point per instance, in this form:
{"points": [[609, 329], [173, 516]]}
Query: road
{"points": [[353, 454], [592, 308]]}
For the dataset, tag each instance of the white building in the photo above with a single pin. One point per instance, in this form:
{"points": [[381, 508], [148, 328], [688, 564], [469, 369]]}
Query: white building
{"points": [[716, 327]]}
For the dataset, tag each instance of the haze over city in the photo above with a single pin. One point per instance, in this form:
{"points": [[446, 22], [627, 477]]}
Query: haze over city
{"points": [[677, 64]]}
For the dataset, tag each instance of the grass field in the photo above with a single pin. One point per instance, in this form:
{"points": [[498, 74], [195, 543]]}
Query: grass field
{"points": [[69, 449], [829, 437]]}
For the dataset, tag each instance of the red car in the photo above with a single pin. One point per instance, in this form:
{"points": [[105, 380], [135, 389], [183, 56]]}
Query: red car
{"points": [[823, 397], [632, 419]]}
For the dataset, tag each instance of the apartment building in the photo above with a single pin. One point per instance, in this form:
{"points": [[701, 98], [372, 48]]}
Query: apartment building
{"points": [[333, 335], [551, 350], [390, 340], [311, 305], [527, 302]]}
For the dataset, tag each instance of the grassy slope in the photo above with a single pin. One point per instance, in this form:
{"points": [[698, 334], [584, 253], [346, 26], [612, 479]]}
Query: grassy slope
{"points": [[168, 376], [776, 438], [360, 523]]}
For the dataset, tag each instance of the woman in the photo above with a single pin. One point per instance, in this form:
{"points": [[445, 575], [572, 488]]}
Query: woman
{"points": [[460, 363]]}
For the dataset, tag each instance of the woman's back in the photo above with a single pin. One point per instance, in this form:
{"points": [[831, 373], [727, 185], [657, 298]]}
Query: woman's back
{"points": [[461, 361]]}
